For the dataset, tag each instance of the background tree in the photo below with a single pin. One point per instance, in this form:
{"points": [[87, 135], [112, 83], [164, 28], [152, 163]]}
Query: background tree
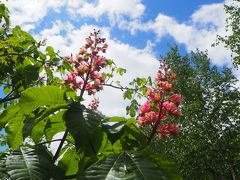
{"points": [[209, 145], [232, 41]]}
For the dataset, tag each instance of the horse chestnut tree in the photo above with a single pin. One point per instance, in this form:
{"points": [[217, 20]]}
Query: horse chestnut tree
{"points": [[91, 145]]}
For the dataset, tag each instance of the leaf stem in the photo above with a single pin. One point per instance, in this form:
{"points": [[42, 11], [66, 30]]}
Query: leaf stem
{"points": [[45, 142], [60, 146], [120, 87], [70, 176]]}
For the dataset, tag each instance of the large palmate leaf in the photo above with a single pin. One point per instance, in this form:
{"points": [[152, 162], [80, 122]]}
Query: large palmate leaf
{"points": [[83, 124], [69, 161], [10, 113], [123, 166], [54, 125], [49, 123], [27, 163], [114, 130], [14, 132], [34, 98], [124, 130], [3, 171]]}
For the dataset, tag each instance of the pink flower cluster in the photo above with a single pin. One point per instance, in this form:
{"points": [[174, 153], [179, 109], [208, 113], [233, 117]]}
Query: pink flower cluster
{"points": [[87, 64], [161, 103], [94, 104], [166, 129]]}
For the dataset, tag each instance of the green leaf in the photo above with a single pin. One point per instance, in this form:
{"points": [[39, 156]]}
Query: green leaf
{"points": [[83, 124], [51, 111], [167, 166], [7, 89], [123, 166], [128, 94], [3, 171], [132, 108], [109, 62], [136, 134], [35, 127], [35, 131], [14, 132], [69, 161], [115, 119], [121, 71], [34, 98], [8, 114], [27, 163], [4, 14], [54, 125], [114, 130]]}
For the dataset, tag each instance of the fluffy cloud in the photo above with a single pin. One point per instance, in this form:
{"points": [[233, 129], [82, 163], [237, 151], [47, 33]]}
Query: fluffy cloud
{"points": [[199, 32], [212, 14], [130, 8], [28, 14]]}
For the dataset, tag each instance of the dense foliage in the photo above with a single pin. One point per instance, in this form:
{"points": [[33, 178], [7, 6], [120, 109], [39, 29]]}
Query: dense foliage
{"points": [[209, 144]]}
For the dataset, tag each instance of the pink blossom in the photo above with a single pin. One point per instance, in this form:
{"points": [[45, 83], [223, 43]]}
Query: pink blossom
{"points": [[169, 106], [168, 129], [142, 121], [151, 116], [176, 99], [96, 75], [100, 61], [70, 78], [94, 104], [145, 107]]}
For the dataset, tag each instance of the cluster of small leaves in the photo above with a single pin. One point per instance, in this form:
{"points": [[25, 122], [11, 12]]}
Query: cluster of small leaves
{"points": [[21, 61], [137, 91]]}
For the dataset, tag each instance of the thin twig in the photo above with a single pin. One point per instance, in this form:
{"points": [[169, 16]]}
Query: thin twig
{"points": [[46, 142], [120, 87], [5, 99]]}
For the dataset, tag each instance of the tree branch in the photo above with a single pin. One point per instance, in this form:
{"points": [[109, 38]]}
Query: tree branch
{"points": [[8, 97], [120, 87], [45, 142]]}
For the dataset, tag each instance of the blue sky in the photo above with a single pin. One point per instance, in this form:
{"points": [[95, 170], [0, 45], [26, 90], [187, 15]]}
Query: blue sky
{"points": [[138, 31]]}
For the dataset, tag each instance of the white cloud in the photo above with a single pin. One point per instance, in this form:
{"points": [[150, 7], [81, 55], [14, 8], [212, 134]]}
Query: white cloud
{"points": [[114, 10], [26, 13], [199, 32], [210, 14]]}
